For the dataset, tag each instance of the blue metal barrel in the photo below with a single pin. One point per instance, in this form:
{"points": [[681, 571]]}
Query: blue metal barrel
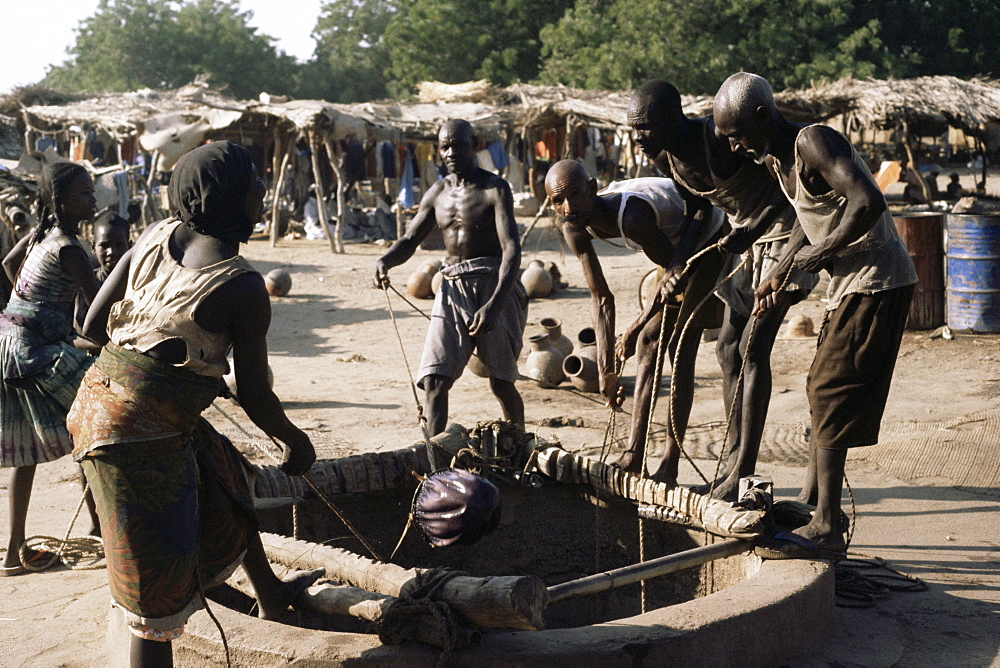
{"points": [[974, 272]]}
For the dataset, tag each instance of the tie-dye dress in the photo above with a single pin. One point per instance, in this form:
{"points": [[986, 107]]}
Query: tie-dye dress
{"points": [[41, 369]]}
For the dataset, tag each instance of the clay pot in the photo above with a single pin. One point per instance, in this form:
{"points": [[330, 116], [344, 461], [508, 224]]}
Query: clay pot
{"points": [[553, 327], [436, 282], [581, 368], [432, 266], [544, 363], [536, 280], [553, 270], [230, 379], [278, 282], [586, 337], [419, 284], [800, 327], [477, 367]]}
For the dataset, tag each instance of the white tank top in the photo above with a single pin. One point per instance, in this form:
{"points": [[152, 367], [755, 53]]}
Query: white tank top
{"points": [[668, 205]]}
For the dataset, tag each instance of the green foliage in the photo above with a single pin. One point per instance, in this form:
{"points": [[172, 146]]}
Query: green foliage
{"points": [[131, 44], [370, 49], [697, 44], [351, 56], [458, 40]]}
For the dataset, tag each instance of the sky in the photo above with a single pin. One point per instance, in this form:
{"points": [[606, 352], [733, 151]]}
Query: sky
{"points": [[31, 46]]}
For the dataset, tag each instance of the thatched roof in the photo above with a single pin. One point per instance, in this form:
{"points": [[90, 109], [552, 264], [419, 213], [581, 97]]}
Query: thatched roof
{"points": [[928, 105]]}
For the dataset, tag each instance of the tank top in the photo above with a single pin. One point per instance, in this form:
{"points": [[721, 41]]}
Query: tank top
{"points": [[44, 288], [668, 205], [876, 262], [160, 302], [743, 195]]}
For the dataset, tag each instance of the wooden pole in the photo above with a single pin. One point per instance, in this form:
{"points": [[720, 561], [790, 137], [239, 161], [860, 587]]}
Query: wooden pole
{"points": [[344, 601], [146, 214], [924, 188], [276, 198], [494, 602], [645, 570], [717, 517], [341, 205], [275, 165], [324, 221], [534, 222]]}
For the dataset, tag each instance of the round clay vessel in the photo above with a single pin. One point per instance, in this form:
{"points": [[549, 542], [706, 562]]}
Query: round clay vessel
{"points": [[586, 337], [436, 282], [553, 327], [477, 367], [536, 280], [581, 368], [419, 284], [800, 327], [433, 266], [544, 363], [278, 282]]}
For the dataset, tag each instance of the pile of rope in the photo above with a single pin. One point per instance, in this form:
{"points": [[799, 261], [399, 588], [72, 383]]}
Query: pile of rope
{"points": [[414, 604]]}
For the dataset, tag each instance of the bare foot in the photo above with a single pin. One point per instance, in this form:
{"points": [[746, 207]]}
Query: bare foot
{"points": [[826, 538], [629, 462], [291, 588], [725, 489], [666, 473]]}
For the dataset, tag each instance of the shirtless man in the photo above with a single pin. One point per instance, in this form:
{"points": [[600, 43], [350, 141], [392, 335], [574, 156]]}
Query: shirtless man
{"points": [[844, 227], [481, 304], [702, 162], [648, 212]]}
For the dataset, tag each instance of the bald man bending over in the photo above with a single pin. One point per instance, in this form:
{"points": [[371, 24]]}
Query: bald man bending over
{"points": [[649, 212], [843, 226], [480, 305]]}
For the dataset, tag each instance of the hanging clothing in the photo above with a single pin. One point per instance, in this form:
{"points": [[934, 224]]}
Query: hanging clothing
{"points": [[352, 160], [43, 143], [499, 155], [387, 157], [405, 195]]}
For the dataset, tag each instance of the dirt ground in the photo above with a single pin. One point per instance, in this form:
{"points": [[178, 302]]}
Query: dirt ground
{"points": [[341, 377]]}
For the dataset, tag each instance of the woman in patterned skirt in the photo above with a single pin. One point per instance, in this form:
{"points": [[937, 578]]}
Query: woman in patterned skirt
{"points": [[41, 369]]}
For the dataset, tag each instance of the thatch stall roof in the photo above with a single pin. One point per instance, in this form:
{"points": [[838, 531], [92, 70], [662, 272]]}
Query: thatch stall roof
{"points": [[422, 120], [548, 106], [927, 105]]}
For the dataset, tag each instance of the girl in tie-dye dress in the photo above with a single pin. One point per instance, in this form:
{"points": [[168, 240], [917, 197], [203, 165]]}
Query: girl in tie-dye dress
{"points": [[41, 370]]}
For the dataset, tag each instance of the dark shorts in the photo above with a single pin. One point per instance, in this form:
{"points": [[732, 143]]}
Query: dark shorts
{"points": [[849, 379]]}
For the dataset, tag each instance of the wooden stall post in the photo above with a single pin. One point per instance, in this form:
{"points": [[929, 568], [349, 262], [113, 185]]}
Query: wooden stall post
{"points": [[147, 196], [276, 199], [320, 192], [341, 206], [275, 166]]}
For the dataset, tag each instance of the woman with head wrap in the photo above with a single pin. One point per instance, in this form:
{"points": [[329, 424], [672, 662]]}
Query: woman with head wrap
{"points": [[41, 368], [176, 511]]}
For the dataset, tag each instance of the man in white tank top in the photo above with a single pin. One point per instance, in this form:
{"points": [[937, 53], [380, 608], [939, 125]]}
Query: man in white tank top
{"points": [[844, 227], [649, 215]]}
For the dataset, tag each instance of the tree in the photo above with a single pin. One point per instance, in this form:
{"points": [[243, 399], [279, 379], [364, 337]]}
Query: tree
{"points": [[696, 45], [131, 44], [458, 40], [351, 56]]}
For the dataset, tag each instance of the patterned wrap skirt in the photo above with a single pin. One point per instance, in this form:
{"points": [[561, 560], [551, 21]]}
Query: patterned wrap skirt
{"points": [[171, 492]]}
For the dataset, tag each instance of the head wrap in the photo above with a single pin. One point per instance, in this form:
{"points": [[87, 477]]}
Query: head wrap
{"points": [[209, 188], [456, 507]]}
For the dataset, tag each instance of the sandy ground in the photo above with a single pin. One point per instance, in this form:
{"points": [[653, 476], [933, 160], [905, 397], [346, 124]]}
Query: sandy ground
{"points": [[340, 375]]}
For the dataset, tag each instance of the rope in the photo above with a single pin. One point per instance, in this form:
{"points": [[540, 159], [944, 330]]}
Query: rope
{"points": [[70, 551], [739, 384], [412, 305], [394, 625], [862, 580], [421, 418], [323, 497]]}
